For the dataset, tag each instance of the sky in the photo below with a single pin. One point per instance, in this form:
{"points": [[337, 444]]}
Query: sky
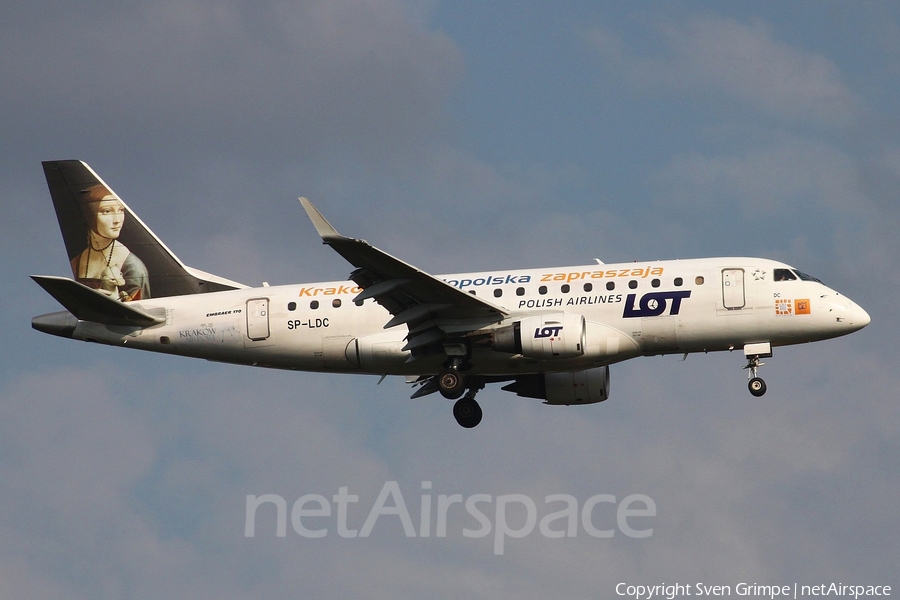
{"points": [[459, 136]]}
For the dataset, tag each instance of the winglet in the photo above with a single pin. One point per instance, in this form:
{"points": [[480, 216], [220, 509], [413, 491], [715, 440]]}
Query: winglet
{"points": [[323, 227]]}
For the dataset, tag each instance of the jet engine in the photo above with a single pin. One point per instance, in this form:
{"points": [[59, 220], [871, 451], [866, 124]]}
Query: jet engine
{"points": [[556, 335], [587, 386]]}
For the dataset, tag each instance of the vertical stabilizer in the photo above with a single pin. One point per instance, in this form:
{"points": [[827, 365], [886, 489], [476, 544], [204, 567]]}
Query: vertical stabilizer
{"points": [[109, 248]]}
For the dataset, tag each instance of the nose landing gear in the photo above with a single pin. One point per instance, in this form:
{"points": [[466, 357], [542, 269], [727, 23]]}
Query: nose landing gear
{"points": [[754, 352], [757, 386]]}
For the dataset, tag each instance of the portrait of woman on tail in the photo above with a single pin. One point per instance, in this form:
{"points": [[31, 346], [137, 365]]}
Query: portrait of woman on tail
{"points": [[106, 264]]}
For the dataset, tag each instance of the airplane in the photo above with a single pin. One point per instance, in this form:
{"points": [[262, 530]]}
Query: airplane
{"points": [[547, 333]]}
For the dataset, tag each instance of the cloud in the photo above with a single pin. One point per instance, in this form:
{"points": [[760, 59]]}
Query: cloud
{"points": [[230, 111], [807, 202], [736, 63], [289, 80], [784, 178]]}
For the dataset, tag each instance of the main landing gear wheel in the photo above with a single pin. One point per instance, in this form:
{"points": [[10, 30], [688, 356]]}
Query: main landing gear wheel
{"points": [[452, 384], [467, 412], [757, 386]]}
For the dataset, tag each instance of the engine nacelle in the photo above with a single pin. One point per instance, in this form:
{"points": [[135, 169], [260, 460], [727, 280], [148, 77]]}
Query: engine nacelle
{"points": [[587, 386], [556, 335]]}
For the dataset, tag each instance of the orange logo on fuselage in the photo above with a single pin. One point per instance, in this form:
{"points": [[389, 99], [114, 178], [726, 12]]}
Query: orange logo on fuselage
{"points": [[792, 307]]}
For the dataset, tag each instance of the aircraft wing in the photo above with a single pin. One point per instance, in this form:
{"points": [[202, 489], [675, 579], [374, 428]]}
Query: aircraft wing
{"points": [[433, 310]]}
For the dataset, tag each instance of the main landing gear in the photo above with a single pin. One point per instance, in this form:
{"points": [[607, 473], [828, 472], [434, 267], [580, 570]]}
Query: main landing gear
{"points": [[453, 384], [467, 411]]}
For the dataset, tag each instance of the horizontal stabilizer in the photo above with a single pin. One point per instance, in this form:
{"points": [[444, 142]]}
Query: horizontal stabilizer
{"points": [[90, 305]]}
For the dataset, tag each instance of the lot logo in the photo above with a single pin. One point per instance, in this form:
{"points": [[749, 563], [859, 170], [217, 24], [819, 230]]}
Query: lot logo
{"points": [[654, 304], [547, 332]]}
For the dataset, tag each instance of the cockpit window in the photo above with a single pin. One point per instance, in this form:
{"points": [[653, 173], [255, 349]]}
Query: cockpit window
{"points": [[784, 275], [805, 277]]}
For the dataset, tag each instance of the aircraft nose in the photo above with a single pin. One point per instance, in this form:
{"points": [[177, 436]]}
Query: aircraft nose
{"points": [[859, 317], [852, 316]]}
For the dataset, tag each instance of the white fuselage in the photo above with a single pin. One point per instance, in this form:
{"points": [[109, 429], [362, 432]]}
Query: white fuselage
{"points": [[631, 309]]}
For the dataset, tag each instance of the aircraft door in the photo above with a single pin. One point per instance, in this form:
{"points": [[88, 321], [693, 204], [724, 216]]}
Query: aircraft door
{"points": [[733, 289], [258, 318]]}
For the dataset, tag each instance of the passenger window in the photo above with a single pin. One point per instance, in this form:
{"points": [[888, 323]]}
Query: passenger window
{"points": [[314, 304], [498, 292], [610, 285], [698, 280], [292, 306], [632, 284], [520, 291], [472, 292], [588, 287], [678, 281], [542, 290], [336, 303], [358, 302], [655, 283], [565, 288], [784, 275]]}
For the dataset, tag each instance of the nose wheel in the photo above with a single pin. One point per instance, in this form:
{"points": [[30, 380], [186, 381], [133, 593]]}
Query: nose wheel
{"points": [[756, 384]]}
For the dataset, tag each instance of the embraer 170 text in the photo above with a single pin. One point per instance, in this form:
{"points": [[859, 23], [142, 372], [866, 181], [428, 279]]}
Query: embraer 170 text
{"points": [[549, 334]]}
